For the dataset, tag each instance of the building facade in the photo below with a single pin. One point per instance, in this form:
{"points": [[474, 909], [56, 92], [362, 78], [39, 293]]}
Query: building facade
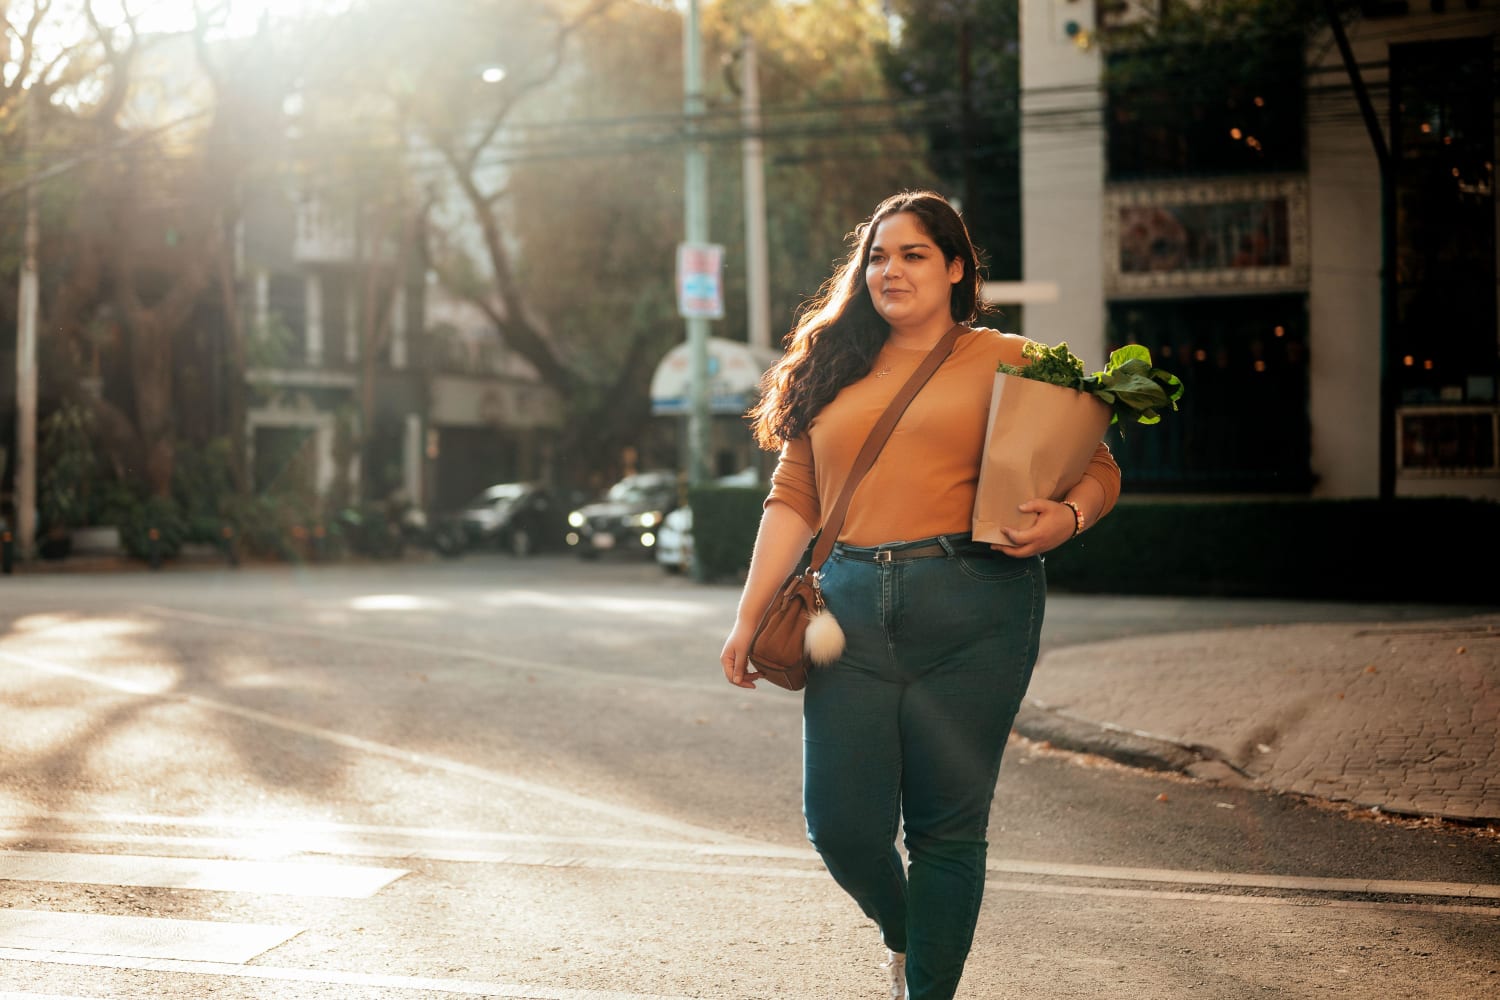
{"points": [[1239, 213]]}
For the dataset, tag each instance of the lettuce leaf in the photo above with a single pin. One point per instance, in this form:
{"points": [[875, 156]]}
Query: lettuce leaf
{"points": [[1130, 385]]}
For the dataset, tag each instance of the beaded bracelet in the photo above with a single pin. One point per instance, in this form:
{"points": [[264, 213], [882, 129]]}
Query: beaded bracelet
{"points": [[1077, 517]]}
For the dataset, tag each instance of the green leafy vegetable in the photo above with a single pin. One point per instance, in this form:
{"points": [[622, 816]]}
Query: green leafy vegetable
{"points": [[1129, 385]]}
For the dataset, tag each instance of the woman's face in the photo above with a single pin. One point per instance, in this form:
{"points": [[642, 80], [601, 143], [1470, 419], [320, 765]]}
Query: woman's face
{"points": [[910, 282]]}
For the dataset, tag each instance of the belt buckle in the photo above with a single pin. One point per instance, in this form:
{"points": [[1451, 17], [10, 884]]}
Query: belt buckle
{"points": [[883, 555]]}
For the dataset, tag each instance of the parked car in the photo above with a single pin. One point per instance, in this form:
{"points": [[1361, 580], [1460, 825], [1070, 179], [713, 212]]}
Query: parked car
{"points": [[674, 540], [627, 518], [519, 518]]}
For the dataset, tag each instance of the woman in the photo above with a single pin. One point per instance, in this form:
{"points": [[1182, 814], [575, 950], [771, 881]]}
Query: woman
{"points": [[909, 725]]}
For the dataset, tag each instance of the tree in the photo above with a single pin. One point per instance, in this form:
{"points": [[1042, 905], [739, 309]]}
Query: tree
{"points": [[155, 258], [559, 128], [69, 103], [837, 140], [959, 60], [427, 63], [240, 140], [617, 207]]}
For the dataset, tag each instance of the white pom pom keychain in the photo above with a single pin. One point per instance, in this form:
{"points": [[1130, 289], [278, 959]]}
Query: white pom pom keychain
{"points": [[824, 638]]}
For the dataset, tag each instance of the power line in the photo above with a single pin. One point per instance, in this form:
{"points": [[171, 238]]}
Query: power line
{"points": [[847, 120]]}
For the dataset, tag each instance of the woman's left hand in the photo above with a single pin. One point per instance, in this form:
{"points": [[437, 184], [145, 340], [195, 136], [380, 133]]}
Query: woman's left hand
{"points": [[1054, 525]]}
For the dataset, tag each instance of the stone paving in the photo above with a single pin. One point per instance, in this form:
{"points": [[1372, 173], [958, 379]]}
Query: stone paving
{"points": [[1405, 717]]}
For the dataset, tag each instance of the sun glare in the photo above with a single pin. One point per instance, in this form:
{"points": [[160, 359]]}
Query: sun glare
{"points": [[238, 17]]}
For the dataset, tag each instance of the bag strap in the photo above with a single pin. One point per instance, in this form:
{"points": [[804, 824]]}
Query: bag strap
{"points": [[876, 441]]}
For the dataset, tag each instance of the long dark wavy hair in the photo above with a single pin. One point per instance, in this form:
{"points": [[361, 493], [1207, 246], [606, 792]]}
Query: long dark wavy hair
{"points": [[837, 332]]}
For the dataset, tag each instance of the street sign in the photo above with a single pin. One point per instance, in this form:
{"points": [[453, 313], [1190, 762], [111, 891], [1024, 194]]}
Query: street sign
{"points": [[700, 287]]}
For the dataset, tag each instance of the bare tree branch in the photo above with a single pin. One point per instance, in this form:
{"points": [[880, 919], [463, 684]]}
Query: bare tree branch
{"points": [[555, 61], [119, 63], [28, 41], [74, 162], [523, 333]]}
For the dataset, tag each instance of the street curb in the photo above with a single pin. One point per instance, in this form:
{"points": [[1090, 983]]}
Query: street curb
{"points": [[1057, 728], [1048, 724]]}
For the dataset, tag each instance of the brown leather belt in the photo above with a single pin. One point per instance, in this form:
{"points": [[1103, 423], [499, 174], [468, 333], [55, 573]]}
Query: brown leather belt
{"points": [[961, 544]]}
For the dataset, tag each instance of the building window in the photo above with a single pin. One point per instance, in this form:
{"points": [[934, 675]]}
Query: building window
{"points": [[1442, 343], [1213, 109], [1243, 424]]}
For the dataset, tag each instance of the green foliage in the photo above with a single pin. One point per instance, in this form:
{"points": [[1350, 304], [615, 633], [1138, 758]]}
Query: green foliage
{"points": [[370, 530], [262, 526], [202, 480], [837, 141], [1217, 22], [1202, 47], [271, 344], [725, 521], [1129, 384], [112, 502], [67, 468], [1053, 365], [1288, 549], [969, 114], [155, 528], [1134, 388]]}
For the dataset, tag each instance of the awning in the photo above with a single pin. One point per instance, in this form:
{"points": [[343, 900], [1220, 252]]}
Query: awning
{"points": [[734, 371]]}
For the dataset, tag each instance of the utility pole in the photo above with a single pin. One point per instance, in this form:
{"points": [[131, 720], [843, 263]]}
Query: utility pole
{"points": [[695, 169], [26, 381], [966, 111], [757, 267]]}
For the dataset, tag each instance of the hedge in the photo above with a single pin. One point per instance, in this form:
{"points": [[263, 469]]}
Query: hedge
{"points": [[725, 520], [1439, 550]]}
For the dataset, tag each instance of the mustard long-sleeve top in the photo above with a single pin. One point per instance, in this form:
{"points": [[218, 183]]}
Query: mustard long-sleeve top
{"points": [[924, 481]]}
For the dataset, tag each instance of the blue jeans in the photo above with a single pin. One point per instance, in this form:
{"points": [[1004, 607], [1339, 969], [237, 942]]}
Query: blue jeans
{"points": [[909, 726]]}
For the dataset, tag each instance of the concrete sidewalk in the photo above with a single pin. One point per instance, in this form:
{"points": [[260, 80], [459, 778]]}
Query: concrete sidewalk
{"points": [[1405, 717]]}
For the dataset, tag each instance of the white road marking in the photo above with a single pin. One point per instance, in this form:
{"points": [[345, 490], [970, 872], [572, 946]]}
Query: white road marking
{"points": [[446, 845], [332, 977], [12, 995], [139, 937], [210, 875], [1050, 888], [407, 645], [295, 832], [1363, 886], [430, 761]]}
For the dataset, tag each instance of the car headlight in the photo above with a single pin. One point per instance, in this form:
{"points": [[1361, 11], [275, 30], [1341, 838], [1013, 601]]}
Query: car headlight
{"points": [[650, 519], [575, 519]]}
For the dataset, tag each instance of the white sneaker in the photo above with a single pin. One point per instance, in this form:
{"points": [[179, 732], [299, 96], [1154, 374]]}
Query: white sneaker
{"points": [[895, 964]]}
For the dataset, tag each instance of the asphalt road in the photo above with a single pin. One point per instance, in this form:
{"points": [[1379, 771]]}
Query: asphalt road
{"points": [[543, 788]]}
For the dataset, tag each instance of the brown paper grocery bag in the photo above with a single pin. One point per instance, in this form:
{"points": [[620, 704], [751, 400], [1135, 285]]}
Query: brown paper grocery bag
{"points": [[1039, 443]]}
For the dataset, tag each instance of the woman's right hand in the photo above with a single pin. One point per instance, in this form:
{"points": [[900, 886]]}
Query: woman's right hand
{"points": [[779, 544], [735, 659]]}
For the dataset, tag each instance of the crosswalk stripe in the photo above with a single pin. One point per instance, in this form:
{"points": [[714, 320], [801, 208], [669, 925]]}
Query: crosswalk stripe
{"points": [[213, 875], [334, 977], [139, 937], [409, 844]]}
